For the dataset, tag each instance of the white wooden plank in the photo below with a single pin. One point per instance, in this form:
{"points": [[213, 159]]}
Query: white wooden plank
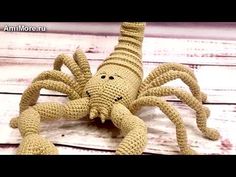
{"points": [[11, 150], [161, 137], [204, 30], [49, 45], [216, 81]]}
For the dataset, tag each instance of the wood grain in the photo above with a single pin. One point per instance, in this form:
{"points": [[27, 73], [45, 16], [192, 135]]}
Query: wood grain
{"points": [[98, 136], [155, 49], [216, 81]]}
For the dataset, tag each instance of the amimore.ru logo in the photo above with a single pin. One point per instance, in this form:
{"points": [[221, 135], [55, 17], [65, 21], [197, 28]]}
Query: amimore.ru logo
{"points": [[23, 28]]}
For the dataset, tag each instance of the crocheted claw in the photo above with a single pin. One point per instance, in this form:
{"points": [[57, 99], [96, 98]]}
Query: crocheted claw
{"points": [[34, 144], [29, 123], [134, 129]]}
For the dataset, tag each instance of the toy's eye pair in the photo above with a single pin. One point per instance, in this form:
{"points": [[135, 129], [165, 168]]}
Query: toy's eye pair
{"points": [[110, 77], [118, 98], [88, 94]]}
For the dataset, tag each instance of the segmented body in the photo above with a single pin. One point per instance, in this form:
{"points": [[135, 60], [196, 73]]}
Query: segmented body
{"points": [[115, 92]]}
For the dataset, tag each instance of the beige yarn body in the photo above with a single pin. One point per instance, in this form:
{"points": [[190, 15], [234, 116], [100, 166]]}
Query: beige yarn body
{"points": [[115, 92]]}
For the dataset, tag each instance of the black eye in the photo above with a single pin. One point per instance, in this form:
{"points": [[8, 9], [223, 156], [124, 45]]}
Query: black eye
{"points": [[118, 98], [111, 77], [103, 76], [87, 93]]}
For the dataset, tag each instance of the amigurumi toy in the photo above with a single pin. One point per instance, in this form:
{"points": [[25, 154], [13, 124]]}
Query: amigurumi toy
{"points": [[114, 93]]}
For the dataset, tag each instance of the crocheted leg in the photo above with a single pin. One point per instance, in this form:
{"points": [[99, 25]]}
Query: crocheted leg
{"points": [[31, 94], [83, 63], [171, 113], [134, 128], [59, 76], [201, 112], [29, 122], [163, 68], [172, 75], [33, 143], [74, 67]]}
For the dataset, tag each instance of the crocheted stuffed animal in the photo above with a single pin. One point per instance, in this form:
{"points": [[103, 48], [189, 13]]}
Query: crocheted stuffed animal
{"points": [[114, 93]]}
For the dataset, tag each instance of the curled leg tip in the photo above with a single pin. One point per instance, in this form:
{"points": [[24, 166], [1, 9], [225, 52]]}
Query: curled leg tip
{"points": [[14, 123], [212, 134], [188, 151]]}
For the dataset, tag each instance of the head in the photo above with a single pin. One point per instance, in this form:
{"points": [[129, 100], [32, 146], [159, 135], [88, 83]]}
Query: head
{"points": [[119, 76], [108, 87]]}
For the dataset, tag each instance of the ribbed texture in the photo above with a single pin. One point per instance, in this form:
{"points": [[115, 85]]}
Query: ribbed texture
{"points": [[29, 124], [128, 52]]}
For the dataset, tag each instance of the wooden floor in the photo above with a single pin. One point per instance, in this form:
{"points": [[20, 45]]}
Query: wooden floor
{"points": [[23, 55]]}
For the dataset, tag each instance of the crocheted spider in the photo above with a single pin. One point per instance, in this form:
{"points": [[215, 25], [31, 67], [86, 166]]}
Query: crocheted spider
{"points": [[114, 93]]}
